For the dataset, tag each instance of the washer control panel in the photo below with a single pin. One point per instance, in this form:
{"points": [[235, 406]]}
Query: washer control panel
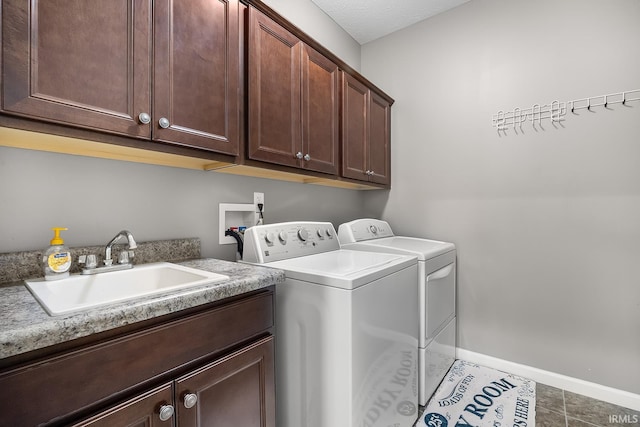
{"points": [[275, 242], [363, 229]]}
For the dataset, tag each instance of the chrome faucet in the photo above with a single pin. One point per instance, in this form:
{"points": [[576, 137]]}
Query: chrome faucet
{"points": [[124, 259], [107, 250]]}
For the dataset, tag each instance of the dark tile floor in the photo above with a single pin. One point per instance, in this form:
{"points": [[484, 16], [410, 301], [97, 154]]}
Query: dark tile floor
{"points": [[561, 408]]}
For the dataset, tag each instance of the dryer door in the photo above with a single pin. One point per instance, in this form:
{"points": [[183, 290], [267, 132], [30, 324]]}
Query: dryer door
{"points": [[441, 298]]}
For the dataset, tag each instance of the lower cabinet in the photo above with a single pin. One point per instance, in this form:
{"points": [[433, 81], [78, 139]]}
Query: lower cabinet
{"points": [[211, 366], [143, 410], [234, 391]]}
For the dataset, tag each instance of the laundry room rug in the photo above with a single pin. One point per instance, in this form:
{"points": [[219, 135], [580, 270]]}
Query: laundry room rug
{"points": [[475, 396]]}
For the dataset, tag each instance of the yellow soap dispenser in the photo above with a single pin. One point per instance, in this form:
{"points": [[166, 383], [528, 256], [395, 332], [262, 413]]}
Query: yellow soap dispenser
{"points": [[56, 260]]}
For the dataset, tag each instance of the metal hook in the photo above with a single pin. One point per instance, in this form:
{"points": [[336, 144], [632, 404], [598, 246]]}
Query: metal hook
{"points": [[555, 111], [624, 98], [589, 104], [500, 121], [605, 101]]}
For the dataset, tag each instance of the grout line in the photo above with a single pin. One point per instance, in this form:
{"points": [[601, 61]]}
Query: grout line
{"points": [[564, 407]]}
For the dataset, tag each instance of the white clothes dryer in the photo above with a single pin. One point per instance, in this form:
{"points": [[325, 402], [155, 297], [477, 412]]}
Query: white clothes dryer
{"points": [[345, 355], [436, 293]]}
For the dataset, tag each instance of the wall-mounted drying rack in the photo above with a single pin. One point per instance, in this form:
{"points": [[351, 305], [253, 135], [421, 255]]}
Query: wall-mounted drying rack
{"points": [[556, 110]]}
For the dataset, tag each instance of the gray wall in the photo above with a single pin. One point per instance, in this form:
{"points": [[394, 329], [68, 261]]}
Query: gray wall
{"points": [[96, 198], [547, 223]]}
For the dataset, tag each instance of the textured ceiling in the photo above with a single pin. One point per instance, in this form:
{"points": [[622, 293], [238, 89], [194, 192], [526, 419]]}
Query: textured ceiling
{"points": [[367, 20]]}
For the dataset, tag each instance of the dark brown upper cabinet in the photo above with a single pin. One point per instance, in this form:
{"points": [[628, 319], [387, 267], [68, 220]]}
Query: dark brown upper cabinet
{"points": [[74, 63], [99, 67], [293, 100], [366, 133], [197, 74]]}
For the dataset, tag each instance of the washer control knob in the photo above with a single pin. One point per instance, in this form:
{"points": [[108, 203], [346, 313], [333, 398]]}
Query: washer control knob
{"points": [[329, 232], [320, 234], [270, 237], [303, 234], [373, 229], [283, 237]]}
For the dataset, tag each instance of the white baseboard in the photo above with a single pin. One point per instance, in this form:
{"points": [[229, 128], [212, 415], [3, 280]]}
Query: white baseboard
{"points": [[574, 385]]}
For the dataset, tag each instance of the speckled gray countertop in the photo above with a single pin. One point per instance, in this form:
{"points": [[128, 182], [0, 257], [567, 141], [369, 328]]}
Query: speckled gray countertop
{"points": [[26, 326]]}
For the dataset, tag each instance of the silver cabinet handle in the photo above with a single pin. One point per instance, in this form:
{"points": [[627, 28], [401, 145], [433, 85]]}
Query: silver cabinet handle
{"points": [[144, 118], [164, 123], [190, 400], [166, 412], [307, 157], [299, 155]]}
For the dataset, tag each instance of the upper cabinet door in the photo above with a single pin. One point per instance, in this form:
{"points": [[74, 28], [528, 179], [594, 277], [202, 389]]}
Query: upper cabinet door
{"points": [[78, 62], [379, 139], [274, 92], [355, 128], [366, 133], [320, 112], [197, 74]]}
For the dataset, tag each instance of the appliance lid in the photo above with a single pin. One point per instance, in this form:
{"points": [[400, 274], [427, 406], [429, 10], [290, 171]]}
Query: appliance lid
{"points": [[422, 248], [343, 268]]}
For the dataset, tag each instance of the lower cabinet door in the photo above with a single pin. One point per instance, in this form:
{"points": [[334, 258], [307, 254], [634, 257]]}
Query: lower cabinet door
{"points": [[237, 390], [151, 409]]}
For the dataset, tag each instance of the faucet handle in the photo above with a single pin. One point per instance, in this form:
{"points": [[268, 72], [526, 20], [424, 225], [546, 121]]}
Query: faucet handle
{"points": [[123, 257], [92, 261], [89, 260]]}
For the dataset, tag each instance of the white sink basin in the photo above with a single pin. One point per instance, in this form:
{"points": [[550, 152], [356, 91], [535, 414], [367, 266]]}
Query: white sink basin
{"points": [[79, 292]]}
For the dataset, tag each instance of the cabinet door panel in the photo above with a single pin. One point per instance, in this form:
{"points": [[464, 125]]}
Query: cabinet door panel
{"points": [[355, 125], [141, 411], [77, 63], [234, 391], [274, 92], [379, 140], [320, 111], [197, 73]]}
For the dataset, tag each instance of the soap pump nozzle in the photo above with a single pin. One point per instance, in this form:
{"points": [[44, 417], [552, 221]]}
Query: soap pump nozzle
{"points": [[57, 240]]}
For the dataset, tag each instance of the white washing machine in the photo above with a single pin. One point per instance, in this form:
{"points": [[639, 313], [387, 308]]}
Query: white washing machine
{"points": [[436, 293], [346, 355]]}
